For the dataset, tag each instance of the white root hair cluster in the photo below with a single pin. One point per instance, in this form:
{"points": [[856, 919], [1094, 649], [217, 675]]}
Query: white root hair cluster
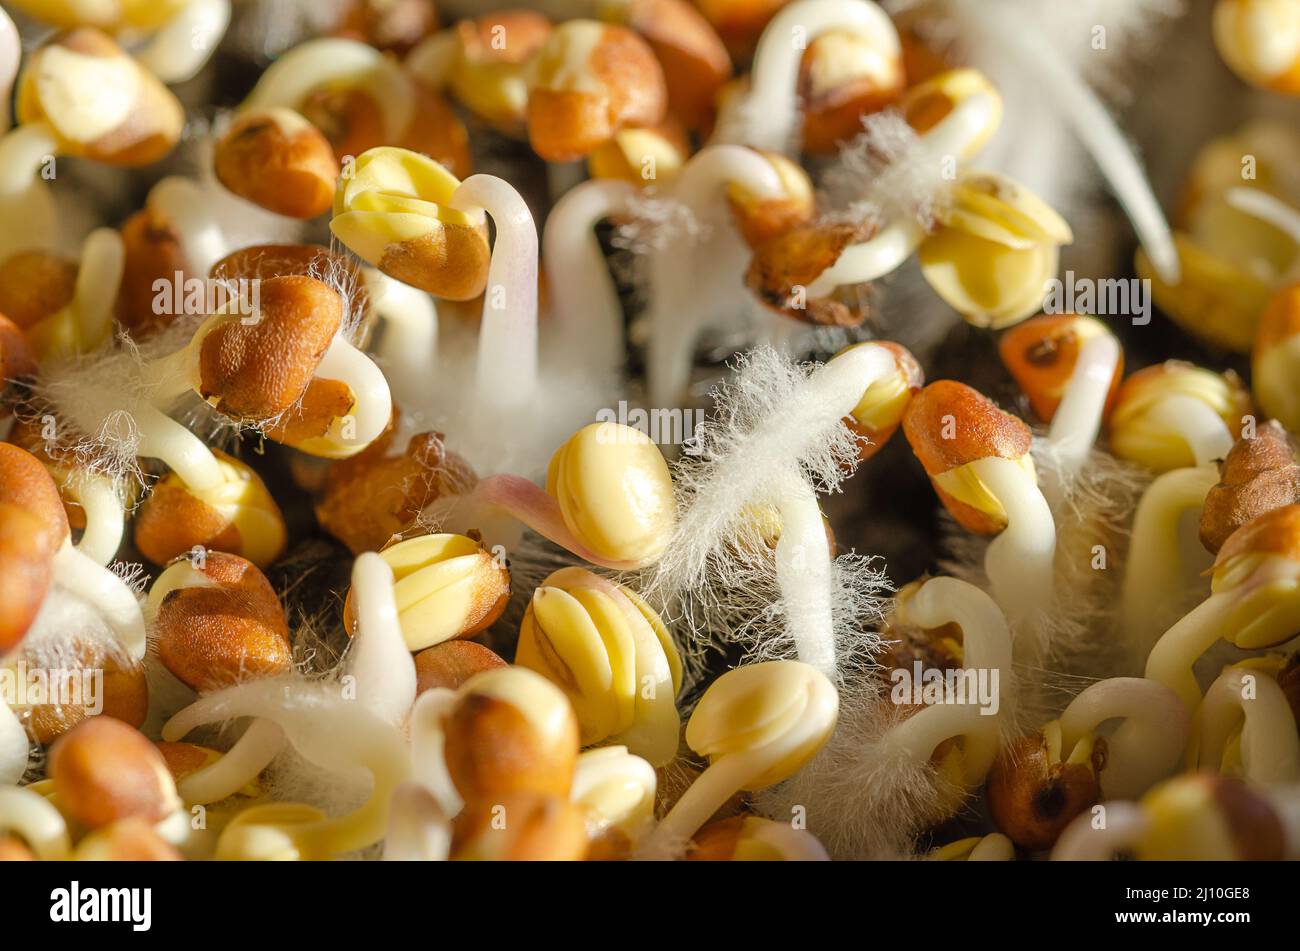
{"points": [[884, 174], [718, 574]]}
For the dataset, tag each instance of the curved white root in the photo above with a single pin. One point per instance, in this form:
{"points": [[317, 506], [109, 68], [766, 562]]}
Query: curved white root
{"points": [[335, 734], [768, 116], [702, 799], [1266, 208], [186, 208], [583, 295], [428, 759], [1199, 426], [161, 437], [1248, 706], [32, 818], [408, 342], [954, 137], [24, 195], [870, 260], [261, 743], [115, 601], [379, 660], [1155, 572], [1078, 418], [186, 42], [506, 377], [682, 272], [986, 648], [99, 276], [105, 516], [1019, 561], [372, 402], [1146, 747], [1173, 656]]}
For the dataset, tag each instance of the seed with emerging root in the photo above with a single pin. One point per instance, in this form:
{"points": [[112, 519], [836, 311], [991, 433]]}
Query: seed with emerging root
{"points": [[511, 731], [278, 160], [138, 125], [880, 411], [842, 78], [395, 213], [219, 624], [761, 219], [257, 370], [1041, 353], [1141, 434], [588, 81], [1036, 788], [951, 425], [238, 516]]}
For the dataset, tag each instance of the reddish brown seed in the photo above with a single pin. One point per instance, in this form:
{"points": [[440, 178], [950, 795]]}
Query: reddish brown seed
{"points": [[212, 637], [390, 25], [451, 663], [377, 494], [493, 750], [621, 84], [257, 369], [278, 162], [1032, 797], [1259, 474], [125, 696], [104, 771], [35, 285]]}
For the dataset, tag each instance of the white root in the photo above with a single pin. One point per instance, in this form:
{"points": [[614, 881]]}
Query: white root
{"points": [[768, 115], [585, 300], [1147, 746], [680, 281], [186, 42], [506, 377], [1249, 705]]}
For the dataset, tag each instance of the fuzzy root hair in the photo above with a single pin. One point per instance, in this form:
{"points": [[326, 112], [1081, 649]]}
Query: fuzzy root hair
{"points": [[718, 574]]}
